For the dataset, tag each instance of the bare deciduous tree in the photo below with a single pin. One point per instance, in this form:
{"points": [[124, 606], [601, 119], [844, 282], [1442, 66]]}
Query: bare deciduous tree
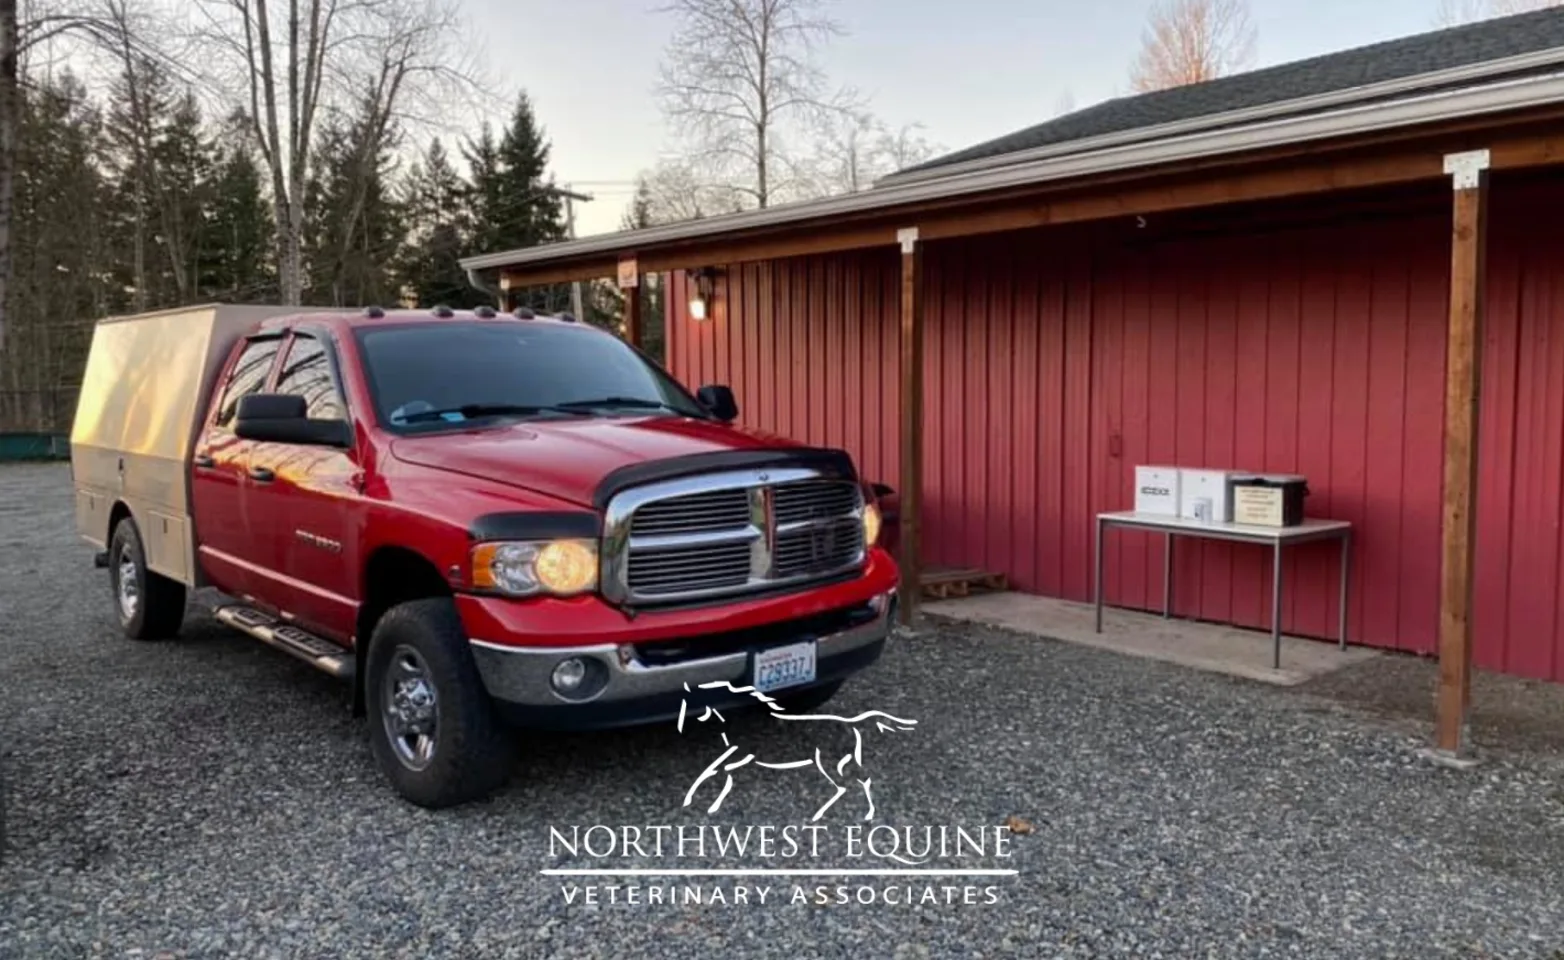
{"points": [[855, 149], [740, 79], [295, 61], [676, 190], [1191, 41]]}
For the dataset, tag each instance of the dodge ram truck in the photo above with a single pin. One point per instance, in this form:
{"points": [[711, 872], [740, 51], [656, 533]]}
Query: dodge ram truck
{"points": [[482, 521]]}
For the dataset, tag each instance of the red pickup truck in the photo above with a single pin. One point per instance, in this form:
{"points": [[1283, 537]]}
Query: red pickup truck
{"points": [[480, 520]]}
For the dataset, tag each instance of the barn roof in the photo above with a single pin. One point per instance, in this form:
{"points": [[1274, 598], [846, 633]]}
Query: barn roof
{"points": [[1380, 63]]}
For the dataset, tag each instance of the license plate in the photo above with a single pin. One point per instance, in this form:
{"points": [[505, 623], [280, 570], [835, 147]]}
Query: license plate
{"points": [[786, 666]]}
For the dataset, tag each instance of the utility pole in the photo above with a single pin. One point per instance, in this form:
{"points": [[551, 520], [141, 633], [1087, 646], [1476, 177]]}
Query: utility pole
{"points": [[577, 307]]}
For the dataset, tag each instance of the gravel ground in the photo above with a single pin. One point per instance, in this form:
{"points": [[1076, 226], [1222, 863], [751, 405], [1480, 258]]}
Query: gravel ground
{"points": [[210, 797]]}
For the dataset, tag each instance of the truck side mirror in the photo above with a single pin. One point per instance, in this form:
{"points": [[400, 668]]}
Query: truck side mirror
{"points": [[283, 418], [718, 398]]}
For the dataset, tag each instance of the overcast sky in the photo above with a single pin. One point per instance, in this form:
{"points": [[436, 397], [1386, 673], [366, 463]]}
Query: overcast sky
{"points": [[967, 70]]}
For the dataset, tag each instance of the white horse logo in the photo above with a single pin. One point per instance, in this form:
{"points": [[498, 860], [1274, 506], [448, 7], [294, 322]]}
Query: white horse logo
{"points": [[725, 765]]}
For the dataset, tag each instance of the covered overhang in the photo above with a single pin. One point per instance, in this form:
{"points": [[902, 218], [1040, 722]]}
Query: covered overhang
{"points": [[1490, 121]]}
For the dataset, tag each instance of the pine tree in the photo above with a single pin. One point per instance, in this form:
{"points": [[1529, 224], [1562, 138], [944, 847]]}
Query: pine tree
{"points": [[59, 251], [236, 243], [354, 229], [639, 216], [431, 270], [513, 199]]}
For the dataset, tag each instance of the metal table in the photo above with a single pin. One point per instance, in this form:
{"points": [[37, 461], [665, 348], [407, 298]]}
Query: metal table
{"points": [[1275, 537]]}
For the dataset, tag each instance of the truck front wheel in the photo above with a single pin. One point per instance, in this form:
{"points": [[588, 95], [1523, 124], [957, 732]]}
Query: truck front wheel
{"points": [[150, 605], [432, 726]]}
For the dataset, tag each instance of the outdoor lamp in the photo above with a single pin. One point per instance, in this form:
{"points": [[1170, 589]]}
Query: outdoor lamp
{"points": [[704, 281]]}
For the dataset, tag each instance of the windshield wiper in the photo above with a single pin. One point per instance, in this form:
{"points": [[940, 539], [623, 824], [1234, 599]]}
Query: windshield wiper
{"points": [[472, 411], [638, 403]]}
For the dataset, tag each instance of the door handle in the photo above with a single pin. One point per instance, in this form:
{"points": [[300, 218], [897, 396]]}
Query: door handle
{"points": [[203, 460], [263, 474]]}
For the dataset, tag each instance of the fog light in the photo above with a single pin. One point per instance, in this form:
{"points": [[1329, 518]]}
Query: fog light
{"points": [[569, 675]]}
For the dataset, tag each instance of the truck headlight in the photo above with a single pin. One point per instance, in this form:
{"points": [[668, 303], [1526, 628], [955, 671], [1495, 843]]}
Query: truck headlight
{"points": [[871, 524], [524, 568]]}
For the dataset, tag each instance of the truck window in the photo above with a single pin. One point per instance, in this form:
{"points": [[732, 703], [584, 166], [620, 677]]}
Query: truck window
{"points": [[419, 371], [249, 376], [306, 372]]}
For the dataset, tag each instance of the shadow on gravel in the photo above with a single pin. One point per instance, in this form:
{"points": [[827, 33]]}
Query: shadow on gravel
{"points": [[1509, 714]]}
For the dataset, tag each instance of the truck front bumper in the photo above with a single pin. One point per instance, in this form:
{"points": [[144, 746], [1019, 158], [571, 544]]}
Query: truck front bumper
{"points": [[646, 683]]}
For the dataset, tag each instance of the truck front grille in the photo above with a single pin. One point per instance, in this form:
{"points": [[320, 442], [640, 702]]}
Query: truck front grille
{"points": [[731, 534]]}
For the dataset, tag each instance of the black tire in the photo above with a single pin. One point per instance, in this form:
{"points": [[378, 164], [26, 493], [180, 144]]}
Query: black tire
{"points": [[808, 701], [470, 752], [158, 608]]}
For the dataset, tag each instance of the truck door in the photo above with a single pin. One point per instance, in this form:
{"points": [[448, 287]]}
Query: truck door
{"points": [[227, 549], [310, 499]]}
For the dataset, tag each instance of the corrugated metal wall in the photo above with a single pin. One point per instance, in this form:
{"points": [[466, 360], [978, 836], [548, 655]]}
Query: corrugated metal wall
{"points": [[1518, 616], [1058, 360]]}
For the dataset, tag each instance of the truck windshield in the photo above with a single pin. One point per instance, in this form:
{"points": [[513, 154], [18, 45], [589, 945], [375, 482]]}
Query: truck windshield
{"points": [[428, 376]]}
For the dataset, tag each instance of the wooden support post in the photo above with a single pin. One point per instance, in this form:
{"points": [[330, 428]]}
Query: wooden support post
{"points": [[630, 287], [1463, 368], [910, 561]]}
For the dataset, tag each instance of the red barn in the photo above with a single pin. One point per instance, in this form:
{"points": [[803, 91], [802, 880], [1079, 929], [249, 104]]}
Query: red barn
{"points": [[1303, 269]]}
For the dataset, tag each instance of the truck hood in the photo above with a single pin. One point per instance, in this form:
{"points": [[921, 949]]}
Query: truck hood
{"points": [[567, 459]]}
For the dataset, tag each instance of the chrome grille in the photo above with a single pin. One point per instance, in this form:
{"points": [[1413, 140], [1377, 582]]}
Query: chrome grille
{"points": [[729, 534], [824, 547], [674, 570], [814, 500], [695, 513]]}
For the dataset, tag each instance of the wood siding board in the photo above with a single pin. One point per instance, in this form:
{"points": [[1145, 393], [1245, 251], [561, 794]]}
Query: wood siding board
{"points": [[1383, 462], [1075, 530], [1493, 589], [1025, 364], [1423, 436], [1187, 367], [1316, 564], [1220, 417], [1137, 564], [1251, 582]]}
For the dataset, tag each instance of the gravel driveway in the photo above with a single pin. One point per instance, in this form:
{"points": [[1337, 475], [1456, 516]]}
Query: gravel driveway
{"points": [[210, 797]]}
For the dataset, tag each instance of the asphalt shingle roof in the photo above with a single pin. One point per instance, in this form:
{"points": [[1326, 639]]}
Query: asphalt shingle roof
{"points": [[1391, 60]]}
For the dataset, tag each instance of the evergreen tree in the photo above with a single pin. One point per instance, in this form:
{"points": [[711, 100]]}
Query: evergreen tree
{"points": [[513, 199], [354, 227], [236, 243], [431, 270], [639, 216], [59, 251]]}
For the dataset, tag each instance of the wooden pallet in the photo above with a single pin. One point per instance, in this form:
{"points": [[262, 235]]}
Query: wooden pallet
{"points": [[943, 583]]}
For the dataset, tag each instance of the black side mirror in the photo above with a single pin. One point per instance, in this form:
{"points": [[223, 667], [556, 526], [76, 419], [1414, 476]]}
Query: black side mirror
{"points": [[283, 418], [719, 400]]}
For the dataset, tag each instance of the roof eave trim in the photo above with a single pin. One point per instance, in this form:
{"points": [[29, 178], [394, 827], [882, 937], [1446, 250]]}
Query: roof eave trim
{"points": [[1507, 95]]}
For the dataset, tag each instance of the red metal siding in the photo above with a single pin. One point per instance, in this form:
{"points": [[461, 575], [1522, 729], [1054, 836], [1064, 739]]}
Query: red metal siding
{"points": [[1520, 511], [809, 346], [1058, 360]]}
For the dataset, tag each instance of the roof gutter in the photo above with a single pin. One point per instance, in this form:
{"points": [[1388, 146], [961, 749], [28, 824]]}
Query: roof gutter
{"points": [[1463, 75], [1515, 94]]}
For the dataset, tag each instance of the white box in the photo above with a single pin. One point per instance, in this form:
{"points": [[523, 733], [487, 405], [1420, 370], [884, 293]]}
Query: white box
{"points": [[1203, 495], [1156, 491]]}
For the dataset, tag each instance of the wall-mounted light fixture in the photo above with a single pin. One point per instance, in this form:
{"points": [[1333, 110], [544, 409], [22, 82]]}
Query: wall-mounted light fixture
{"points": [[703, 284]]}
